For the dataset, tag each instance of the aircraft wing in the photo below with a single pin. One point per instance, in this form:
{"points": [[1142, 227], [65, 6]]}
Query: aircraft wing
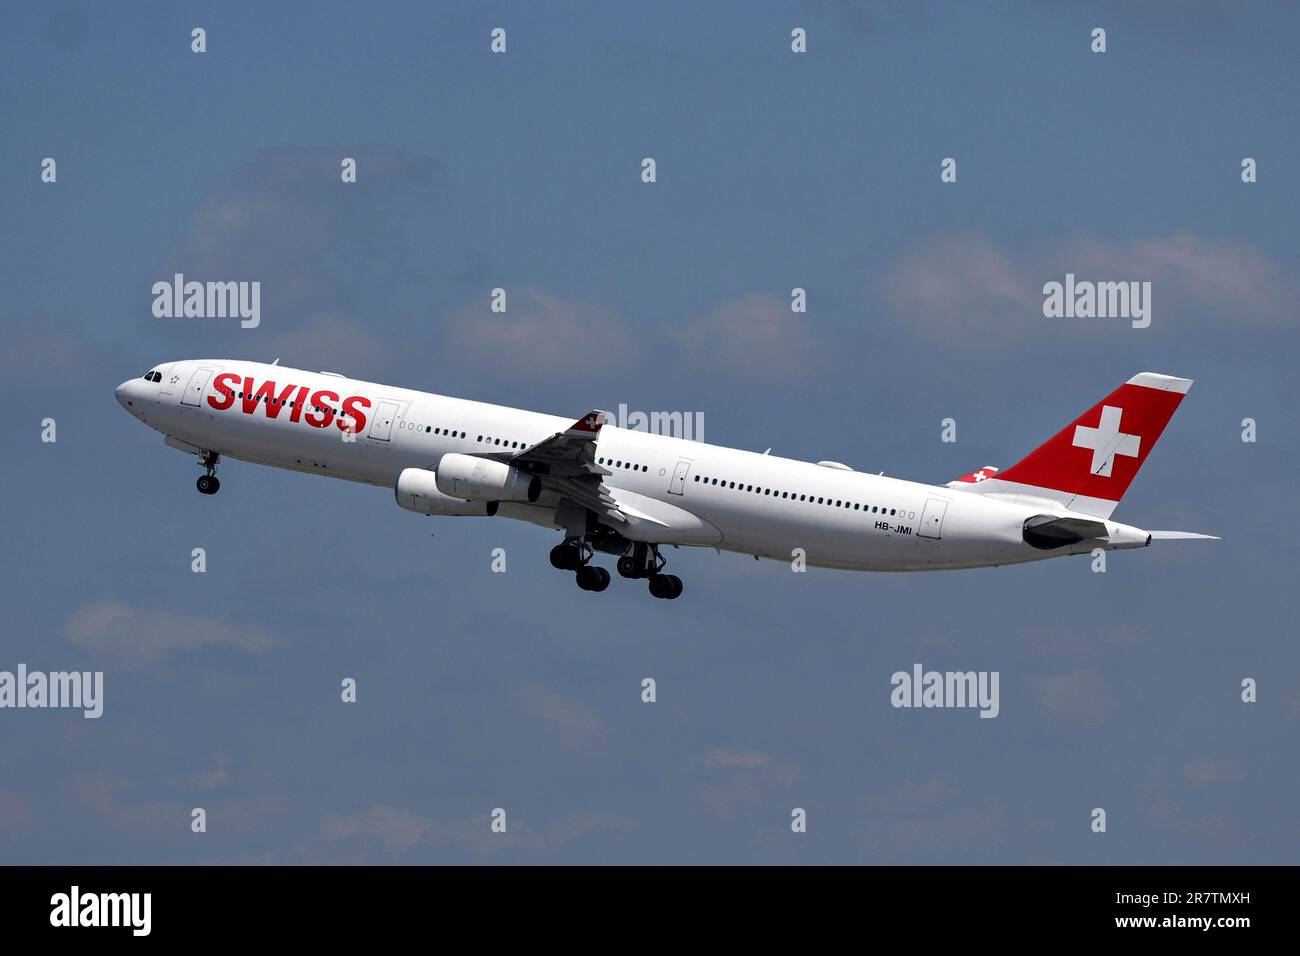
{"points": [[566, 464]]}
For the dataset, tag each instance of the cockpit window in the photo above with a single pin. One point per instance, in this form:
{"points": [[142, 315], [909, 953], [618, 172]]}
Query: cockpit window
{"points": [[153, 376]]}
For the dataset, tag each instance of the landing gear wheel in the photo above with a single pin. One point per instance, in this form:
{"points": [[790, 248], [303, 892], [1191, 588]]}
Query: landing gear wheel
{"points": [[666, 586], [592, 578], [641, 561], [208, 484], [566, 557]]}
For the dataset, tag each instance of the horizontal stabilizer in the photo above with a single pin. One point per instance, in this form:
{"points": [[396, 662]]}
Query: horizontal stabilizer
{"points": [[1181, 536]]}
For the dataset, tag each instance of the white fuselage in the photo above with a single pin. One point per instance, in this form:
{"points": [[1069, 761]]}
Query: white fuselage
{"points": [[690, 493]]}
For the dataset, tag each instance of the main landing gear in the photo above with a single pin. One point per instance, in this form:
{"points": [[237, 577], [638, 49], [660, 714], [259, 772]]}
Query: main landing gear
{"points": [[641, 561], [208, 484], [645, 561], [574, 555]]}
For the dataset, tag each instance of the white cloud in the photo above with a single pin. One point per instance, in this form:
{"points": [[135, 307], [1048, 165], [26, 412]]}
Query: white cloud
{"points": [[401, 831], [540, 335], [720, 758], [967, 291], [15, 812], [397, 830], [756, 334], [1203, 772], [742, 781], [210, 779], [117, 628], [1079, 698], [575, 727], [910, 796]]}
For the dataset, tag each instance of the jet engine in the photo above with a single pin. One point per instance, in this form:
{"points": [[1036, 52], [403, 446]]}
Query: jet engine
{"points": [[482, 479], [417, 490]]}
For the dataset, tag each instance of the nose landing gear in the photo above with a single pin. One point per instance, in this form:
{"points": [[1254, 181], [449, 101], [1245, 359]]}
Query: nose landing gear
{"points": [[208, 484]]}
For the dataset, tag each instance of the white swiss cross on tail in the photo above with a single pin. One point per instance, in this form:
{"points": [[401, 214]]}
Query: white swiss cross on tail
{"points": [[1106, 440]]}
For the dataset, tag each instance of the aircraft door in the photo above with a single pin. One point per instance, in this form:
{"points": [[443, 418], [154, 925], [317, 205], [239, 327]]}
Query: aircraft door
{"points": [[193, 393], [932, 518], [677, 485], [382, 425]]}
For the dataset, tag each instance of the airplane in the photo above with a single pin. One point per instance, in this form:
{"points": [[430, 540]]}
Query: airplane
{"points": [[630, 493]]}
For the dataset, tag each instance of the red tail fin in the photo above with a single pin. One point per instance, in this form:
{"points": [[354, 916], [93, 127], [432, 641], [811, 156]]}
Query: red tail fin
{"points": [[1090, 463]]}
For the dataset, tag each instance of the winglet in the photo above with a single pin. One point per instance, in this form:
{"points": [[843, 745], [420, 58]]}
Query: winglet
{"points": [[589, 424], [975, 477]]}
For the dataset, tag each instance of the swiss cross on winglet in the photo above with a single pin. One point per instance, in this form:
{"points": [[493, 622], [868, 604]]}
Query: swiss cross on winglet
{"points": [[590, 423], [981, 474], [567, 453]]}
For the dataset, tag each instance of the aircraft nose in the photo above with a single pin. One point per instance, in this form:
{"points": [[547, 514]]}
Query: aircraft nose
{"points": [[123, 393]]}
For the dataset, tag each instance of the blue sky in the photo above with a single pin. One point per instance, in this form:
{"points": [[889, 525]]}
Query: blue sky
{"points": [[516, 690]]}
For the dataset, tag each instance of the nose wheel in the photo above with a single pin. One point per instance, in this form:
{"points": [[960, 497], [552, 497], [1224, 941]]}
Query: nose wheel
{"points": [[208, 484]]}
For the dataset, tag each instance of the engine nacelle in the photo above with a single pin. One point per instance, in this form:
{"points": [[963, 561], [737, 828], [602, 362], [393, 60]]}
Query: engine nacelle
{"points": [[417, 490], [481, 479]]}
